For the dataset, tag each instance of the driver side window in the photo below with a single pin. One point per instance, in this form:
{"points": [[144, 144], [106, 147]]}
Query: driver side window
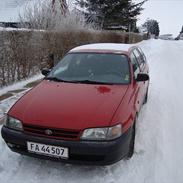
{"points": [[135, 64]]}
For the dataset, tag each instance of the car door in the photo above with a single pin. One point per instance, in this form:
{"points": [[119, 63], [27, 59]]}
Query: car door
{"points": [[137, 88]]}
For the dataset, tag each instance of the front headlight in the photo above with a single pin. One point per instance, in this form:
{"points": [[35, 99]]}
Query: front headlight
{"points": [[13, 123], [102, 133]]}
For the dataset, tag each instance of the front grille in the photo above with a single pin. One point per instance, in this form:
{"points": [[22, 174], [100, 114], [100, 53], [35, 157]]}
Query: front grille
{"points": [[56, 133]]}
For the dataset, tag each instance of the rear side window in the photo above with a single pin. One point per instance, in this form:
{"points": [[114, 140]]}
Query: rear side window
{"points": [[135, 64], [138, 56], [142, 54]]}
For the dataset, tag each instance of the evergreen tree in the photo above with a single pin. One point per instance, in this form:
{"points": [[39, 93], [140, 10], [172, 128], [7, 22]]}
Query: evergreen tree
{"points": [[108, 13], [152, 27]]}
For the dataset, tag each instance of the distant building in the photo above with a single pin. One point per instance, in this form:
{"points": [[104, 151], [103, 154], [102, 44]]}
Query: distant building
{"points": [[166, 37], [10, 24], [10, 11], [117, 27]]}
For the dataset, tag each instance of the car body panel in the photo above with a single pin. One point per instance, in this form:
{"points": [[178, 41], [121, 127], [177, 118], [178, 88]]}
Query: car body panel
{"points": [[69, 105]]}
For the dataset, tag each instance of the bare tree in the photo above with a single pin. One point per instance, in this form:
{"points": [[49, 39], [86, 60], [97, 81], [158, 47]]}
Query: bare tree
{"points": [[44, 15]]}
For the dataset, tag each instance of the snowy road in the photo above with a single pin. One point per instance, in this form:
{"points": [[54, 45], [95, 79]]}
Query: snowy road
{"points": [[158, 154]]}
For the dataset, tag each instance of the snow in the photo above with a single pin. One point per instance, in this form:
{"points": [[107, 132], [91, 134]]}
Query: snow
{"points": [[158, 154], [104, 46], [20, 85], [20, 29]]}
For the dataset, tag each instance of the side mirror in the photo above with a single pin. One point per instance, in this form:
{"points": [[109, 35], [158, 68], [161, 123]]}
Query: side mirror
{"points": [[45, 71], [142, 77]]}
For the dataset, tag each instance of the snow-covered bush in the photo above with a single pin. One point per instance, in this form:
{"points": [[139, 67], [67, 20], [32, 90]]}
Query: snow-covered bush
{"points": [[17, 58], [23, 52], [43, 16]]}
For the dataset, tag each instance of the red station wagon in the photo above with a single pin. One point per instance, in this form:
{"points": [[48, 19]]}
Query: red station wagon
{"points": [[85, 109]]}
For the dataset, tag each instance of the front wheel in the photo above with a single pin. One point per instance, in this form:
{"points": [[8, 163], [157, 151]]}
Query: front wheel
{"points": [[132, 142]]}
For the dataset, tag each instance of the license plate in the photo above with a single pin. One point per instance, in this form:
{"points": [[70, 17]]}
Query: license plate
{"points": [[48, 150]]}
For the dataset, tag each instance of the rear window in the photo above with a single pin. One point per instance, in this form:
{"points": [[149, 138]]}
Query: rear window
{"points": [[98, 67]]}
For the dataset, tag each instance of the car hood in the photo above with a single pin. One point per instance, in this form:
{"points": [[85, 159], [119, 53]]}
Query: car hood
{"points": [[69, 105]]}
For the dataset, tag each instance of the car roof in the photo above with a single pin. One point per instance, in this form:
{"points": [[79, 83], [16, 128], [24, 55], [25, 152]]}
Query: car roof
{"points": [[104, 47]]}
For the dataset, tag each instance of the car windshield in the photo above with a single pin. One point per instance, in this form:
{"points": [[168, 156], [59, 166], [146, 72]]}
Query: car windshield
{"points": [[92, 68]]}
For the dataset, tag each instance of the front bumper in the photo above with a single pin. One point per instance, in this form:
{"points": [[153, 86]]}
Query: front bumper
{"points": [[80, 152]]}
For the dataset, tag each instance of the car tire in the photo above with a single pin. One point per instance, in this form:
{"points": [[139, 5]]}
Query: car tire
{"points": [[132, 142]]}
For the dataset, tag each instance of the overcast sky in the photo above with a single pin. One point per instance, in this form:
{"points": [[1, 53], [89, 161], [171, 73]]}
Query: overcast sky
{"points": [[169, 14]]}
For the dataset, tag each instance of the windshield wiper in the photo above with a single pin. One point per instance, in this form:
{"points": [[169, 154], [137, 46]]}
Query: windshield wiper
{"points": [[91, 82], [56, 79], [77, 81]]}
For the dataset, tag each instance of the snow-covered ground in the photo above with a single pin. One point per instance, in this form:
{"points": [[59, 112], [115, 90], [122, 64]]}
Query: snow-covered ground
{"points": [[158, 154], [6, 104], [21, 84]]}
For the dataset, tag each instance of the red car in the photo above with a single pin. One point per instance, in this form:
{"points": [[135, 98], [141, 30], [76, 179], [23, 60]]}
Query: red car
{"points": [[85, 109]]}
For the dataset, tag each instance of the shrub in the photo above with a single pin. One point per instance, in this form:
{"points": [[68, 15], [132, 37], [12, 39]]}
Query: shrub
{"points": [[24, 53]]}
